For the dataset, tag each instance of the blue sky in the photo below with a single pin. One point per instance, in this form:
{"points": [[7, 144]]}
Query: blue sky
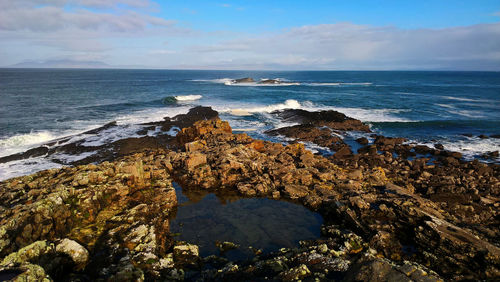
{"points": [[259, 16], [440, 34]]}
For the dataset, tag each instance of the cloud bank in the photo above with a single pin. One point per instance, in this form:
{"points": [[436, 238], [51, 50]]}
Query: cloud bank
{"points": [[351, 46], [131, 32]]}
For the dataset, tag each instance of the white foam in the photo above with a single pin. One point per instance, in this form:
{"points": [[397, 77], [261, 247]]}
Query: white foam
{"points": [[374, 115], [151, 115], [470, 147], [467, 99], [323, 84], [22, 142], [288, 104], [446, 106], [173, 131], [67, 159], [25, 167], [467, 113], [314, 148], [188, 97], [365, 115], [111, 135]]}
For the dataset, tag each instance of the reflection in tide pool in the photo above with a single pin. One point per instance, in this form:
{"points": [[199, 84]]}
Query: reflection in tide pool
{"points": [[203, 218]]}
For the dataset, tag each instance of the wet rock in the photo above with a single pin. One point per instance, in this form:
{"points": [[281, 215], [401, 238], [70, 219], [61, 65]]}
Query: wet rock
{"points": [[343, 153], [439, 146], [332, 119], [270, 81], [362, 140], [186, 254], [310, 133], [226, 246], [388, 141], [243, 80], [370, 149]]}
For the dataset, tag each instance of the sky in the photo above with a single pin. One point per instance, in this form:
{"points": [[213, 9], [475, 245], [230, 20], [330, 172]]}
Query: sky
{"points": [[254, 35]]}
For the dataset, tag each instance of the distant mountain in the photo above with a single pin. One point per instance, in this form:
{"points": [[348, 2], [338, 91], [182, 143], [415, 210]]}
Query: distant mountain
{"points": [[61, 64]]}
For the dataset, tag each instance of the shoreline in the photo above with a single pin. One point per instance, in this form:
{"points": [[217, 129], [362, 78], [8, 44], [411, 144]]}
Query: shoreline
{"points": [[391, 209]]}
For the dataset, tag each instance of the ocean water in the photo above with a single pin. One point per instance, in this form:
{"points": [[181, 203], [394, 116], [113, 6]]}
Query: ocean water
{"points": [[39, 105]]}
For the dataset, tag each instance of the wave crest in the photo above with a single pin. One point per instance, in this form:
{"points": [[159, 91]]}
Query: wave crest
{"points": [[18, 143], [180, 98]]}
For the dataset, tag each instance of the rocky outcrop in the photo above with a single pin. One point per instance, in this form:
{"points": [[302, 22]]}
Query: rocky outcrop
{"points": [[243, 80], [332, 119], [89, 216], [386, 217], [270, 81]]}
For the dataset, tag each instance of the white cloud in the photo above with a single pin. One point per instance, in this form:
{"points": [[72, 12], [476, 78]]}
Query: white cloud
{"points": [[347, 45], [52, 18]]}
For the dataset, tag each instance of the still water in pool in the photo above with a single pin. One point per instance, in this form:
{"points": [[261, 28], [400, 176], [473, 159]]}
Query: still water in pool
{"points": [[203, 218]]}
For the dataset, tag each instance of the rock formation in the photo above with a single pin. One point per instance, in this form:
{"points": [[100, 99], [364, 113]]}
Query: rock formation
{"points": [[386, 217]]}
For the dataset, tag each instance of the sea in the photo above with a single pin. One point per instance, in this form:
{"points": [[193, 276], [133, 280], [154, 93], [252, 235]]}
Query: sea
{"points": [[40, 105]]}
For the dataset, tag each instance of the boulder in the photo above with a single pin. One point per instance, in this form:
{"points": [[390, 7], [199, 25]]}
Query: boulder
{"points": [[77, 252]]}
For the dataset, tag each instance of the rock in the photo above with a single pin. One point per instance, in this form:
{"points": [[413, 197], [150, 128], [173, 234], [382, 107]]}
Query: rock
{"points": [[194, 160], [226, 246], [370, 149], [243, 80], [186, 254], [355, 174], [195, 146], [343, 152], [388, 141], [482, 136], [362, 140], [439, 146], [270, 81], [332, 119], [77, 252], [296, 191], [296, 273], [24, 272]]}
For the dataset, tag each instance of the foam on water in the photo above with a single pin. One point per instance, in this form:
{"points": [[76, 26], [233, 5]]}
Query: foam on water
{"points": [[288, 104], [22, 142], [67, 159], [374, 115], [151, 115], [462, 99], [282, 82], [365, 115], [470, 147], [111, 135], [188, 97], [25, 167]]}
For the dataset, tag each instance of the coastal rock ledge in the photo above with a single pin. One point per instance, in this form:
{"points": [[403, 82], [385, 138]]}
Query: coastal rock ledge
{"points": [[110, 221]]}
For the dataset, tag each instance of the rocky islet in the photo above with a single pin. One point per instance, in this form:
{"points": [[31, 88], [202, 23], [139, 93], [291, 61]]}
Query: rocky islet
{"points": [[392, 210]]}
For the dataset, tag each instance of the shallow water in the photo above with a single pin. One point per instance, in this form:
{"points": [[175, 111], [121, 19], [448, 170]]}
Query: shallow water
{"points": [[203, 218]]}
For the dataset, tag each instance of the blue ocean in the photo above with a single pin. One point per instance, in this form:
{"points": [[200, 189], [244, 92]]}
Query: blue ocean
{"points": [[39, 105]]}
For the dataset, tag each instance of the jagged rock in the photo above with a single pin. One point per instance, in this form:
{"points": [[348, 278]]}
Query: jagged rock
{"points": [[442, 213]]}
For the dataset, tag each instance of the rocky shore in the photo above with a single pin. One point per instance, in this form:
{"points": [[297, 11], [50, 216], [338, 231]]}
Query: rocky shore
{"points": [[392, 211]]}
